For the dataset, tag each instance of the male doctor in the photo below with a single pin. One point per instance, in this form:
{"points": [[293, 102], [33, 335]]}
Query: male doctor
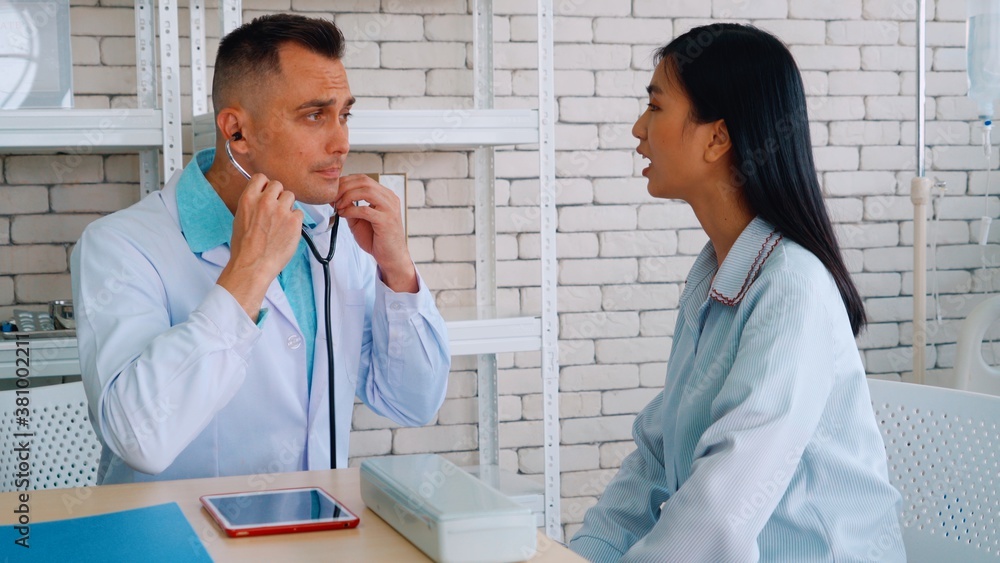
{"points": [[200, 314]]}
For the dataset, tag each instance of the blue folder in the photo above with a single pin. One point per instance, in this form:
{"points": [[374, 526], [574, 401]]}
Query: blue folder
{"points": [[152, 534]]}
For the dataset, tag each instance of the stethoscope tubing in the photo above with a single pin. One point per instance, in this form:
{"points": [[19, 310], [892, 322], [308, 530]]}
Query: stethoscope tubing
{"points": [[327, 291]]}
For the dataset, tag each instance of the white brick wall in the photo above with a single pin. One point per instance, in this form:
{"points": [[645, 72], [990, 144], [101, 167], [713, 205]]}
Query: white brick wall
{"points": [[586, 110], [864, 133], [814, 57], [384, 27], [836, 158], [837, 108], [862, 32], [591, 57], [845, 210], [422, 55], [28, 229], [623, 255], [823, 10], [897, 9], [591, 430], [888, 58], [855, 83], [860, 183], [630, 31], [798, 32], [674, 9]]}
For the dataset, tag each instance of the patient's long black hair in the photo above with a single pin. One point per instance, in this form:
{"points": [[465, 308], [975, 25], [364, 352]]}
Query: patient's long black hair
{"points": [[748, 78]]}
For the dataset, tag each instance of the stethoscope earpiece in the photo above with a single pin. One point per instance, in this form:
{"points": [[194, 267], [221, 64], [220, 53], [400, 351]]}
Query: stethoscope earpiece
{"points": [[229, 153]]}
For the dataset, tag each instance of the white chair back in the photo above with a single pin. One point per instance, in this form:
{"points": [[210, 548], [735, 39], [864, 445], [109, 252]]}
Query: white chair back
{"points": [[972, 373], [943, 453], [64, 451]]}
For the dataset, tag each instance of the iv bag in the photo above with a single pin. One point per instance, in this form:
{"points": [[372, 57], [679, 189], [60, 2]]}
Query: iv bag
{"points": [[983, 51]]}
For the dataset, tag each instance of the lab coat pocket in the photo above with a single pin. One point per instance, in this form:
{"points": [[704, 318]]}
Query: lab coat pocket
{"points": [[352, 331]]}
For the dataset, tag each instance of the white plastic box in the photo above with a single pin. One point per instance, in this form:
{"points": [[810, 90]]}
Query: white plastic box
{"points": [[447, 513]]}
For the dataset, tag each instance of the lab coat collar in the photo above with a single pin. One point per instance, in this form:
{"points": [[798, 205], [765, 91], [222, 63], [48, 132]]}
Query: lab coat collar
{"points": [[205, 220], [742, 265], [207, 224], [317, 218]]}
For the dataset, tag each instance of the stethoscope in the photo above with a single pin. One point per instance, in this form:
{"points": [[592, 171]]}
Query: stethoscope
{"points": [[325, 262]]}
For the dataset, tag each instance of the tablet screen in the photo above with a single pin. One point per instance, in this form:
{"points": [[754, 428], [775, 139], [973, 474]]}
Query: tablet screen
{"points": [[270, 507]]}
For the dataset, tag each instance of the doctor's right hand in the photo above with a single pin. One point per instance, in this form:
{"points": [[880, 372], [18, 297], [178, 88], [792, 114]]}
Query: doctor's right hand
{"points": [[266, 231]]}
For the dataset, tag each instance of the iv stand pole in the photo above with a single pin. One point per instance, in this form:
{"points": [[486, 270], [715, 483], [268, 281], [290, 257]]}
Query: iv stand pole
{"points": [[920, 189]]}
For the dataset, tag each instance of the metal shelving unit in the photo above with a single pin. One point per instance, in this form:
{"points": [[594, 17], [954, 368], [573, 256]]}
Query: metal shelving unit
{"points": [[118, 130], [419, 130], [152, 129], [480, 129], [469, 335]]}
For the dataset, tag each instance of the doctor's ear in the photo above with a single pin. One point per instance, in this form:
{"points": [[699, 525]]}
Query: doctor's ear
{"points": [[228, 123]]}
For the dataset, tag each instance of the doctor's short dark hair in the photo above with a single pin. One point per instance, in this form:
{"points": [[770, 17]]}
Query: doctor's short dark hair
{"points": [[250, 53]]}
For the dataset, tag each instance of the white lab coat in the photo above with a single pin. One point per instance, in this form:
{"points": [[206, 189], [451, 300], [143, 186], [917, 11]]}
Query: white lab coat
{"points": [[182, 384]]}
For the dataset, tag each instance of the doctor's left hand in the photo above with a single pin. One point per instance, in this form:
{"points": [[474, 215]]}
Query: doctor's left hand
{"points": [[378, 229]]}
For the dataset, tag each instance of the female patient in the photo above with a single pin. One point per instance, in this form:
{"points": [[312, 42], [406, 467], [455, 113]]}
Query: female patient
{"points": [[762, 444]]}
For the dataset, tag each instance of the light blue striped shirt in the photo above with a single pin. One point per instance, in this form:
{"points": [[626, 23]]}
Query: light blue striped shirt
{"points": [[762, 445]]}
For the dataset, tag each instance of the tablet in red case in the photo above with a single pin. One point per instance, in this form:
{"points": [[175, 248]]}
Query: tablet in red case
{"points": [[279, 511]]}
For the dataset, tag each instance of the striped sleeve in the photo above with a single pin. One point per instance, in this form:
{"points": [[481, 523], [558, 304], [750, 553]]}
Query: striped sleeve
{"points": [[630, 505]]}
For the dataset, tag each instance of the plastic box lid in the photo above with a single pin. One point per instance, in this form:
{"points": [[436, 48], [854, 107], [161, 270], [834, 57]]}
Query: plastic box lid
{"points": [[432, 485]]}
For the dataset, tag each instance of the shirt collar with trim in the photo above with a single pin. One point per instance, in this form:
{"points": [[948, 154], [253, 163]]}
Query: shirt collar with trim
{"points": [[742, 265], [205, 220]]}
